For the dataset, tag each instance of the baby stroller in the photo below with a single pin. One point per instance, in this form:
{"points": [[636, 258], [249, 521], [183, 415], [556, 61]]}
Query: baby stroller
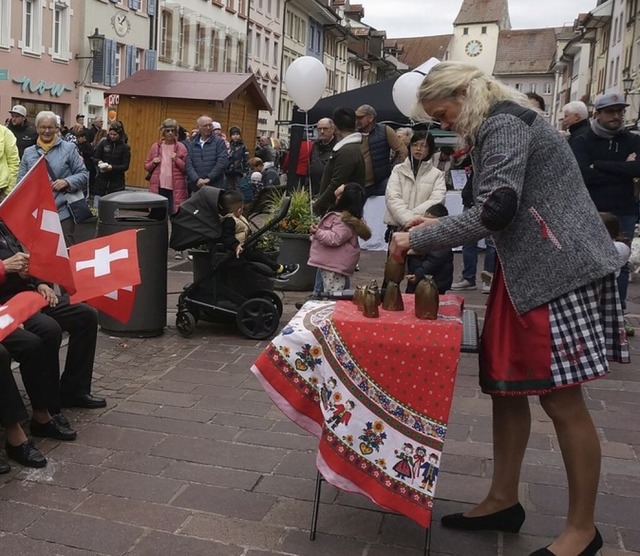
{"points": [[225, 288]]}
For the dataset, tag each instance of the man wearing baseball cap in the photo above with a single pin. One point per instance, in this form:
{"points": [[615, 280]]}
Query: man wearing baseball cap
{"points": [[609, 158], [26, 134]]}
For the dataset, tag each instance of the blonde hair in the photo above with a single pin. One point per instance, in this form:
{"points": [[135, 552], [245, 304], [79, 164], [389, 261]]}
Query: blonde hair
{"points": [[169, 122], [476, 91]]}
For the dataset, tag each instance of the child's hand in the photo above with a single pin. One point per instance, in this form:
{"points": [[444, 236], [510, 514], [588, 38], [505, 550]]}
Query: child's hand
{"points": [[239, 250], [411, 278], [339, 191], [313, 228]]}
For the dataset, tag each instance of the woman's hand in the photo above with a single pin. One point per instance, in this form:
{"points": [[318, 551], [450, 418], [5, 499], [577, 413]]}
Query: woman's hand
{"points": [[239, 250], [399, 246], [156, 160], [59, 185], [49, 295], [17, 263]]}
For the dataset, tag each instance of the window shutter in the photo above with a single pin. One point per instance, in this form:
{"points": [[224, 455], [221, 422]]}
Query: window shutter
{"points": [[151, 59], [97, 72], [151, 7], [130, 63], [110, 62]]}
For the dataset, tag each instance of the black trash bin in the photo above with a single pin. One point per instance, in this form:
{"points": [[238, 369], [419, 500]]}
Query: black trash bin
{"points": [[146, 212]]}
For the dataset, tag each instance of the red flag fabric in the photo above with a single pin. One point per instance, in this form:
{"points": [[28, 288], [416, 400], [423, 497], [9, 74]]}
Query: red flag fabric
{"points": [[18, 309], [104, 265], [30, 212], [117, 304]]}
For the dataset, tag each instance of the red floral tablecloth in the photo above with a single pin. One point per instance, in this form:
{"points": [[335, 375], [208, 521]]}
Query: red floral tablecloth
{"points": [[377, 392]]}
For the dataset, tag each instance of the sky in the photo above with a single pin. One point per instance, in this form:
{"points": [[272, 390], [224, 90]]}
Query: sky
{"points": [[401, 18]]}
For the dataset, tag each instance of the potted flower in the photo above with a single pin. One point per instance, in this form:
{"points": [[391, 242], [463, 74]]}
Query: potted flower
{"points": [[293, 233]]}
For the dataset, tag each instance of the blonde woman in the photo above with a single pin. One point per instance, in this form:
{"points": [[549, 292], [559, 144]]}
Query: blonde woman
{"points": [[553, 314]]}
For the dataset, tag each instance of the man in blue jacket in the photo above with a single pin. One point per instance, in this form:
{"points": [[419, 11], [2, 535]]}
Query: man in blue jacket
{"points": [[609, 159], [208, 157]]}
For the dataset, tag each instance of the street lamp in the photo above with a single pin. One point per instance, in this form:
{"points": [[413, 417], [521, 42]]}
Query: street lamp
{"points": [[627, 85], [96, 42]]}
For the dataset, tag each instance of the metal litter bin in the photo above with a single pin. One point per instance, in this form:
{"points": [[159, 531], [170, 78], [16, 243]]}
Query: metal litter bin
{"points": [[148, 213]]}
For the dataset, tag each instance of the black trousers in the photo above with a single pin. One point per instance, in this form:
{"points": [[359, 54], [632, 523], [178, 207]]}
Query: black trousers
{"points": [[12, 409]]}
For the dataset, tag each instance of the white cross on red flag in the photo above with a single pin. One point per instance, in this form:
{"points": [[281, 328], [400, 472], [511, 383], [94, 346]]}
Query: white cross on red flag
{"points": [[18, 309], [30, 212], [104, 265], [117, 304]]}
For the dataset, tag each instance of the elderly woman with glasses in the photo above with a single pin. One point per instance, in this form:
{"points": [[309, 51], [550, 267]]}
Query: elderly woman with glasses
{"points": [[69, 176], [112, 158], [166, 166]]}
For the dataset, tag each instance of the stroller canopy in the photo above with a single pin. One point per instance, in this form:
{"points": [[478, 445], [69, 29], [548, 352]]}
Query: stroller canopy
{"points": [[197, 220]]}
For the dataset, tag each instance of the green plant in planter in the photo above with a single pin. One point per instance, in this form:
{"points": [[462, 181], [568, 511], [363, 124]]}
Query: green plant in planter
{"points": [[299, 218]]}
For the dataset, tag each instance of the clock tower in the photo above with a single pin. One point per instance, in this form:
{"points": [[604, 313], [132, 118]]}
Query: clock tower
{"points": [[476, 31]]}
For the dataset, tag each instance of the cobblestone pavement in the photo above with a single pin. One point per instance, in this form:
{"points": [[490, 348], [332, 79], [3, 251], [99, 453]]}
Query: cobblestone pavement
{"points": [[192, 458]]}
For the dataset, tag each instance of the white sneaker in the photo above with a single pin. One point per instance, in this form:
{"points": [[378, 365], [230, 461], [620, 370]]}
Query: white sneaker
{"points": [[178, 256], [463, 284], [486, 287]]}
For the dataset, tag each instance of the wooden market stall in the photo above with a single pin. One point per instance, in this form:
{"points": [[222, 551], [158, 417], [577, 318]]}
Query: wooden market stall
{"points": [[150, 96]]}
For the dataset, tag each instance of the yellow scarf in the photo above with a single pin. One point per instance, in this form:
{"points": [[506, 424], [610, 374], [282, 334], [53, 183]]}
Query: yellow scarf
{"points": [[46, 146]]}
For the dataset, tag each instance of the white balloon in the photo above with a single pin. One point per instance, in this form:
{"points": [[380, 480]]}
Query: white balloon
{"points": [[405, 91], [306, 80]]}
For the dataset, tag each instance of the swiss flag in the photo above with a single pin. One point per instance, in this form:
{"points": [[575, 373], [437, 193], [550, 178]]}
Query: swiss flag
{"points": [[117, 304], [104, 265], [29, 211], [18, 309]]}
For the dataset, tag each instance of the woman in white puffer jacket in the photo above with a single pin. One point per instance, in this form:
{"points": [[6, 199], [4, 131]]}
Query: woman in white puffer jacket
{"points": [[415, 185]]}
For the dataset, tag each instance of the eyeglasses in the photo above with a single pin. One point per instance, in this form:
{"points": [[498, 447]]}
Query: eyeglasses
{"points": [[47, 128], [169, 130], [614, 110]]}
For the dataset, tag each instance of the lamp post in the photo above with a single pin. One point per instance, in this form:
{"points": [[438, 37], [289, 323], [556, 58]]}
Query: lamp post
{"points": [[96, 41], [627, 85]]}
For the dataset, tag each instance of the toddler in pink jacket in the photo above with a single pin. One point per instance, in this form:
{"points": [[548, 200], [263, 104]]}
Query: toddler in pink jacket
{"points": [[334, 240]]}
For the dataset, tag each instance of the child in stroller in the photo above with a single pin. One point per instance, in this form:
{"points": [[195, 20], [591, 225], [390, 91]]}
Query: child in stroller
{"points": [[236, 230], [225, 287]]}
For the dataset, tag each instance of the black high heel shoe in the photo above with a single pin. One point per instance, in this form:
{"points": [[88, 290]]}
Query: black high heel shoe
{"points": [[591, 549], [508, 520]]}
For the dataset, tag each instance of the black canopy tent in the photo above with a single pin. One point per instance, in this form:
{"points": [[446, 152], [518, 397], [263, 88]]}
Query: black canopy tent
{"points": [[379, 95]]}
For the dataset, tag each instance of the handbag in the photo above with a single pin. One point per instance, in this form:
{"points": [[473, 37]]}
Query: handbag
{"points": [[149, 174], [79, 210]]}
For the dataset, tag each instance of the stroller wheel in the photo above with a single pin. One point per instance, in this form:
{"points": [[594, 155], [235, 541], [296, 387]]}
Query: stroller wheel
{"points": [[273, 297], [185, 323], [257, 318]]}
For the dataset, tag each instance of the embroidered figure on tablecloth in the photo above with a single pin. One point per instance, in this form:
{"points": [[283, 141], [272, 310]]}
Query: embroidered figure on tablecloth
{"points": [[430, 473], [419, 457], [341, 414], [326, 392], [404, 467], [373, 436]]}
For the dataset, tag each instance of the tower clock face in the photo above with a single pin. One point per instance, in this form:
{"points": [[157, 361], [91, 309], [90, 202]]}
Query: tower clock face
{"points": [[121, 23], [473, 48]]}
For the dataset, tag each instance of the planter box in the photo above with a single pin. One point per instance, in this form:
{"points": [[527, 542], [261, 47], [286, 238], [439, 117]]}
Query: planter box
{"points": [[294, 249]]}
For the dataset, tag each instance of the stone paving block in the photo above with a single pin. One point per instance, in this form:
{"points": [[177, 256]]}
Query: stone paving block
{"points": [[158, 397], [462, 488], [476, 449], [352, 499], [46, 496], [215, 357], [203, 376], [620, 467], [288, 512], [207, 390], [170, 426], [631, 539], [140, 408], [617, 450], [618, 511], [172, 386], [116, 438], [136, 486], [84, 532], [185, 414], [225, 501], [246, 422], [386, 550], [214, 476], [234, 531], [63, 474], [543, 475], [224, 454], [14, 516], [20, 545], [620, 485], [613, 421], [76, 453], [302, 442], [226, 405], [624, 437], [256, 396], [297, 542], [399, 530], [149, 465], [134, 512], [196, 365], [294, 487], [298, 464], [156, 543]]}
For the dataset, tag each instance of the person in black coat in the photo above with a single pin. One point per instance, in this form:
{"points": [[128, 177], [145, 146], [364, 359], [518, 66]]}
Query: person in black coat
{"points": [[87, 152], [112, 156], [438, 264]]}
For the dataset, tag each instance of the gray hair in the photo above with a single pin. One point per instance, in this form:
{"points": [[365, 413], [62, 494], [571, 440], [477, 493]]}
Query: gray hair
{"points": [[46, 115], [367, 109], [577, 107], [476, 92], [405, 131], [169, 122]]}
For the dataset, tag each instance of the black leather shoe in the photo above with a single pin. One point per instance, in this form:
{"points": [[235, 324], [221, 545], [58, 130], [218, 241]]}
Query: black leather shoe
{"points": [[61, 419], [83, 400], [4, 467], [26, 454], [508, 520], [591, 549], [52, 429]]}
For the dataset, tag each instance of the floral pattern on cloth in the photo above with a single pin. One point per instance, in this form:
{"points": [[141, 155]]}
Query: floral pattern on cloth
{"points": [[377, 392]]}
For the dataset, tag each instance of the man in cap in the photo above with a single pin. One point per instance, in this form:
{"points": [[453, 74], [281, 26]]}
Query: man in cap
{"points": [[80, 120], [26, 134], [609, 158]]}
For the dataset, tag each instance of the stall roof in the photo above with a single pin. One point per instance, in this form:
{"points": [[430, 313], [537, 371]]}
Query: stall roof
{"points": [[190, 85]]}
